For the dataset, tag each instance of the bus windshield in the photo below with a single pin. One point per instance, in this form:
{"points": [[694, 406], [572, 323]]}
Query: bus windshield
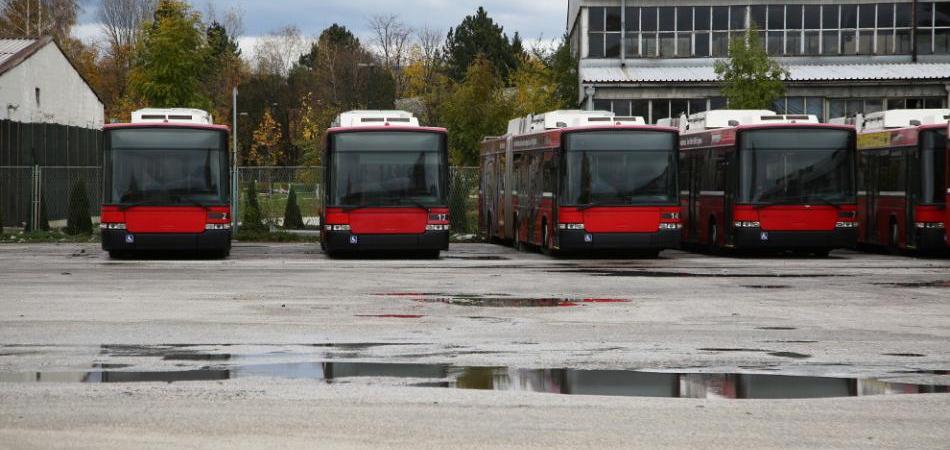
{"points": [[621, 167], [794, 166], [934, 167], [167, 167], [387, 169]]}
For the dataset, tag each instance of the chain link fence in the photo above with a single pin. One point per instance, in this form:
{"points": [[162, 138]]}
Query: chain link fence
{"points": [[29, 192], [273, 185]]}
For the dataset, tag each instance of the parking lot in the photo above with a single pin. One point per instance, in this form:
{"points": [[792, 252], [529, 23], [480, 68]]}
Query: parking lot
{"points": [[279, 345]]}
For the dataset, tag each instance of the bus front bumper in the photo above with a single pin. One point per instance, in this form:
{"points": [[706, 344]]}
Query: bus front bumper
{"points": [[121, 240], [345, 241], [756, 238], [932, 240], [573, 240]]}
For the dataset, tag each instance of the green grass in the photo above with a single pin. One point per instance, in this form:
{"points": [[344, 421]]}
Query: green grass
{"points": [[21, 237]]}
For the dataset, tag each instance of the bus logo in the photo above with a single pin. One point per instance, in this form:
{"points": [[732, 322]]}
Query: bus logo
{"points": [[354, 240], [588, 238], [764, 236], [129, 239]]}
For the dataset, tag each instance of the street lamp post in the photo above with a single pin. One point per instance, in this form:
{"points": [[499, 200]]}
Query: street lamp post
{"points": [[235, 187]]}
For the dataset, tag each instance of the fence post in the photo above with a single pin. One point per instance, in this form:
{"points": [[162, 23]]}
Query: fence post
{"points": [[36, 197]]}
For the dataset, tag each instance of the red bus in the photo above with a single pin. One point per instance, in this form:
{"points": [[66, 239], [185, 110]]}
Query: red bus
{"points": [[166, 182], [903, 173], [757, 180], [386, 185], [573, 181]]}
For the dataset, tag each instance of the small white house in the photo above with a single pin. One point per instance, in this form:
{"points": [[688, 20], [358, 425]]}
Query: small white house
{"points": [[38, 84]]}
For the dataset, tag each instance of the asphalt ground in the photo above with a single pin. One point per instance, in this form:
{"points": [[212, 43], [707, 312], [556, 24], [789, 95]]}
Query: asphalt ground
{"points": [[270, 313]]}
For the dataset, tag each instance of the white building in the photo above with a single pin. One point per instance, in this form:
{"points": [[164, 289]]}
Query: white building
{"points": [[38, 84]]}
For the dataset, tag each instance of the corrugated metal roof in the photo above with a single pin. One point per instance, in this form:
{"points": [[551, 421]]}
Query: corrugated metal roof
{"points": [[10, 47], [823, 72]]}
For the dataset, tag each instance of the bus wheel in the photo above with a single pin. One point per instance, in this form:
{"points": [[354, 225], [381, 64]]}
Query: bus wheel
{"points": [[516, 240], [713, 237], [489, 235], [545, 245]]}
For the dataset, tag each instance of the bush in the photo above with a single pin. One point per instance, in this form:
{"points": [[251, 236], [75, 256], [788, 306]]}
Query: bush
{"points": [[44, 218], [293, 220], [253, 221], [79, 221]]}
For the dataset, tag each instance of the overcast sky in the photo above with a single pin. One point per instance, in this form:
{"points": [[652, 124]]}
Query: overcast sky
{"points": [[534, 19]]}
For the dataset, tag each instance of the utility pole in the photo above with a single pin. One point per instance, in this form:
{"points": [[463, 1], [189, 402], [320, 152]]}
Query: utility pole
{"points": [[235, 173]]}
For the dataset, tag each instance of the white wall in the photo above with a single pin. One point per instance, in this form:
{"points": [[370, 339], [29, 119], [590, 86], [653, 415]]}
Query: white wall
{"points": [[65, 98]]}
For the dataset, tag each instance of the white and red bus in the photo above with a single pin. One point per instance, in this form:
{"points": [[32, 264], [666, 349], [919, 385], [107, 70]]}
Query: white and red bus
{"points": [[166, 182], [903, 172], [574, 181], [386, 185], [757, 180]]}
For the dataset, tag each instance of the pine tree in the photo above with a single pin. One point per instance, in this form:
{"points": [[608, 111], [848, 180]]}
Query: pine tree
{"points": [[293, 219], [478, 36], [253, 219], [79, 221]]}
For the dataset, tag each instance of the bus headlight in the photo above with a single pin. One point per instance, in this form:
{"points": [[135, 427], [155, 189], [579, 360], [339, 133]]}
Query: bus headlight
{"points": [[671, 226], [748, 224], [217, 226], [670, 216], [337, 228], [112, 226], [846, 225], [930, 225], [437, 227], [570, 226]]}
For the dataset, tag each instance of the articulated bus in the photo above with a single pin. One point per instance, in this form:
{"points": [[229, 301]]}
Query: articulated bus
{"points": [[903, 172], [166, 183], [386, 185], [572, 181], [757, 180]]}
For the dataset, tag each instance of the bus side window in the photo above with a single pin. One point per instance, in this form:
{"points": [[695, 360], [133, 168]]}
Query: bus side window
{"points": [[550, 172]]}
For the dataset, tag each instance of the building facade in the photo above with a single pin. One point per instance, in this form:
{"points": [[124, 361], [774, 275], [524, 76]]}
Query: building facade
{"points": [[651, 59]]}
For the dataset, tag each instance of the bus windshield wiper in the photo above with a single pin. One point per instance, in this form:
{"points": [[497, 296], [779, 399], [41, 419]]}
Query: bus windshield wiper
{"points": [[180, 198], [825, 201], [592, 205], [152, 201], [415, 203], [782, 202]]}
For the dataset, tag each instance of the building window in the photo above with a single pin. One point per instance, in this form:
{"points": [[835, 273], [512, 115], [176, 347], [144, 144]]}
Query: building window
{"points": [[604, 32]]}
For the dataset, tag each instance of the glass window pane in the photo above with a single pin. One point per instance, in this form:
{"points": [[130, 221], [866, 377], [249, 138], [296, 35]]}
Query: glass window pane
{"points": [[684, 18], [596, 19], [943, 14], [855, 106], [640, 108], [933, 102], [648, 19], [779, 105], [849, 16], [796, 105], [902, 42], [602, 105], [613, 19], [648, 41], [915, 103], [872, 106], [661, 109], [622, 107], [737, 17], [885, 15], [678, 107], [924, 41], [837, 108], [667, 18], [942, 42], [829, 43], [613, 45], [925, 12], [702, 44], [866, 42], [793, 17], [684, 44], [718, 103], [761, 37], [633, 45], [596, 49], [776, 17], [776, 44], [829, 17], [633, 19], [720, 18], [885, 42], [720, 44], [697, 105], [849, 43], [757, 16], [816, 106], [812, 43], [866, 15], [896, 103], [812, 17], [703, 17], [667, 45], [793, 43], [904, 15]]}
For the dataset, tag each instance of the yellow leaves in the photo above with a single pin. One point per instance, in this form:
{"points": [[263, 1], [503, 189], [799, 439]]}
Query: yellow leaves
{"points": [[265, 148]]}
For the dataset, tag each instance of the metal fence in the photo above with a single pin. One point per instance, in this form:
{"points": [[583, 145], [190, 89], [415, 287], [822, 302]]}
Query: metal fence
{"points": [[273, 185], [26, 192]]}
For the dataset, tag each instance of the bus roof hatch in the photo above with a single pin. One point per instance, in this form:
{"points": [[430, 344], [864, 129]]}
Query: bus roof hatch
{"points": [[725, 118], [378, 118], [568, 118], [172, 115], [903, 118]]}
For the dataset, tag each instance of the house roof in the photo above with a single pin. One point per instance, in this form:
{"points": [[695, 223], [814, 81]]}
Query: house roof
{"points": [[15, 51], [813, 72]]}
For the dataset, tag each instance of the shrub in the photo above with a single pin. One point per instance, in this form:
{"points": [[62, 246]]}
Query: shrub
{"points": [[293, 220], [253, 221], [78, 221]]}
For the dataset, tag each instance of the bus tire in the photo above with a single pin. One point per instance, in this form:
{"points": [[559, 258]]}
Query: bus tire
{"points": [[489, 234], [545, 245]]}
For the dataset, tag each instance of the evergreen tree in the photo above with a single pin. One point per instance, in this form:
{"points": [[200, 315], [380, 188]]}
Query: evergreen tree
{"points": [[293, 219], [253, 221], [751, 80], [78, 221], [563, 65], [478, 36]]}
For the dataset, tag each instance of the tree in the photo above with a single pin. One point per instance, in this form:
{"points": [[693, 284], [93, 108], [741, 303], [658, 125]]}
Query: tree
{"points": [[171, 58], [224, 68], [563, 65], [477, 36], [536, 88], [266, 148], [79, 222], [477, 108], [751, 80], [293, 220], [34, 18], [391, 40], [253, 221]]}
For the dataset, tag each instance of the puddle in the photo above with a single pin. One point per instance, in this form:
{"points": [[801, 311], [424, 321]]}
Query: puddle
{"points": [[906, 355], [776, 328], [392, 316], [766, 286], [922, 284], [478, 258], [665, 274], [792, 355], [503, 300], [555, 381]]}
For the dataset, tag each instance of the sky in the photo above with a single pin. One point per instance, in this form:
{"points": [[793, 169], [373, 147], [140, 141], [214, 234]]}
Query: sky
{"points": [[536, 20]]}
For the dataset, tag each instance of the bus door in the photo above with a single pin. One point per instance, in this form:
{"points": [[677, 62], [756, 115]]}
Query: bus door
{"points": [[692, 160], [912, 196], [506, 186], [730, 186], [872, 188]]}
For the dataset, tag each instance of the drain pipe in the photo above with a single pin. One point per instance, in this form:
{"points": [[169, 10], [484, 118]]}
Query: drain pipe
{"points": [[623, 34]]}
